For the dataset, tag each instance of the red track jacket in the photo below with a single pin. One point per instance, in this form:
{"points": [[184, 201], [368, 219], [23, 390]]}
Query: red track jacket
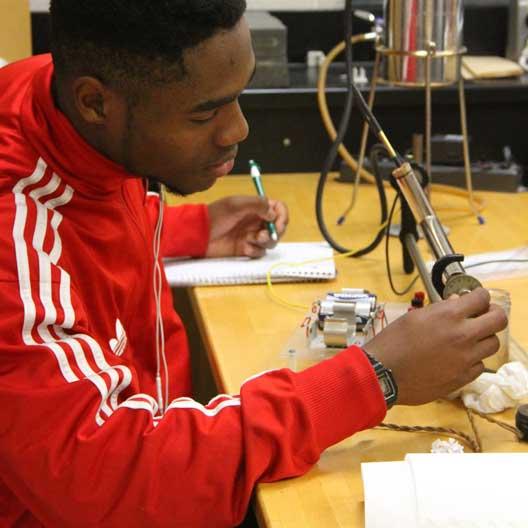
{"points": [[81, 439]]}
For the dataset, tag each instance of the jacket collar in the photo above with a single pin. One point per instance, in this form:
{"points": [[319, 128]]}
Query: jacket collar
{"points": [[53, 136]]}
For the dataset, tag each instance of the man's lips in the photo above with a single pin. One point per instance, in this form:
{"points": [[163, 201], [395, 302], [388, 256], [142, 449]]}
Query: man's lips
{"points": [[221, 168]]}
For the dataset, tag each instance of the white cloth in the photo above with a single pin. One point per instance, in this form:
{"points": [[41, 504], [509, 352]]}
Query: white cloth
{"points": [[492, 393], [447, 446]]}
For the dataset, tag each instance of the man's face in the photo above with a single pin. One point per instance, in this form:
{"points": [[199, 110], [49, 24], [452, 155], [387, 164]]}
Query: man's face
{"points": [[186, 134]]}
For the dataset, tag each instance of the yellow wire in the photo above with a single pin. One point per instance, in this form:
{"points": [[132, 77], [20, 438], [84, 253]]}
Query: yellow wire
{"points": [[475, 203], [284, 302]]}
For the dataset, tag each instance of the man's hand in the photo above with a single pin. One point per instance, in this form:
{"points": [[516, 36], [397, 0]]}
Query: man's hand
{"points": [[238, 225], [438, 349]]}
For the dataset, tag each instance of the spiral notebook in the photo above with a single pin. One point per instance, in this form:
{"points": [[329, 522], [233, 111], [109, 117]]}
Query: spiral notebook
{"points": [[311, 261]]}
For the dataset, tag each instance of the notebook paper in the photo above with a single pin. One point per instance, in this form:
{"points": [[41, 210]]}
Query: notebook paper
{"points": [[243, 270]]}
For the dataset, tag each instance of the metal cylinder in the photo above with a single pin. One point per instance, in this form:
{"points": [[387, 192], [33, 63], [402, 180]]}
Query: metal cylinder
{"points": [[425, 216], [418, 31]]}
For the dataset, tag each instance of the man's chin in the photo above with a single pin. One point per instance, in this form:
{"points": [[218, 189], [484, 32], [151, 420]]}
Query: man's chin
{"points": [[201, 184]]}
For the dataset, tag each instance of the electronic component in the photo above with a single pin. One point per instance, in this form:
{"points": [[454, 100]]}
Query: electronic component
{"points": [[418, 300], [344, 318]]}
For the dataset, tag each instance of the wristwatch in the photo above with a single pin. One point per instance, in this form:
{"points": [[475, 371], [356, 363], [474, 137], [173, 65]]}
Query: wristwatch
{"points": [[385, 379]]}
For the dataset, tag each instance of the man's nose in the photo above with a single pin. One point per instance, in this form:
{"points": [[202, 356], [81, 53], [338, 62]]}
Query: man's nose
{"points": [[234, 128]]}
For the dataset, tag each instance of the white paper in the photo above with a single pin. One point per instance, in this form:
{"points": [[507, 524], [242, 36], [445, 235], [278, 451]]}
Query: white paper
{"points": [[484, 490], [389, 495], [313, 261]]}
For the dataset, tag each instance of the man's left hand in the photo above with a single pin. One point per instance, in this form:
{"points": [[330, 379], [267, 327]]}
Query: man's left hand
{"points": [[238, 225]]}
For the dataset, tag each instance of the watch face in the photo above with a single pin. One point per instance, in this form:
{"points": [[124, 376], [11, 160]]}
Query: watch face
{"points": [[386, 381], [386, 385]]}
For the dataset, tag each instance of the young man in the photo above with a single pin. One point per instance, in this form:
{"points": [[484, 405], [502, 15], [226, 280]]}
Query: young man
{"points": [[96, 426]]}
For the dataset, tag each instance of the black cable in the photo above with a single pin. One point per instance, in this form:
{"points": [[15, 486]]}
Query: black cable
{"points": [[332, 154], [376, 153], [387, 258]]}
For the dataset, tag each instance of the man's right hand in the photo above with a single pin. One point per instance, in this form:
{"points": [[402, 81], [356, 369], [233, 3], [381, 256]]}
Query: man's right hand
{"points": [[438, 349]]}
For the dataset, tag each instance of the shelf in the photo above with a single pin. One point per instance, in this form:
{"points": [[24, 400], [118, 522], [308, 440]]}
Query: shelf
{"points": [[303, 88], [287, 134], [338, 5]]}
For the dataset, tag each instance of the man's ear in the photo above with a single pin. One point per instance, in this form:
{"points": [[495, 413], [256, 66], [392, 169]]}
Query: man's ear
{"points": [[92, 99]]}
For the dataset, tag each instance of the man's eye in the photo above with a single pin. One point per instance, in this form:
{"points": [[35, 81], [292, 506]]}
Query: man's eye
{"points": [[204, 117]]}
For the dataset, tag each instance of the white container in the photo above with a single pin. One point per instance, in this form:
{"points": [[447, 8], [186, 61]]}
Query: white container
{"points": [[501, 298]]}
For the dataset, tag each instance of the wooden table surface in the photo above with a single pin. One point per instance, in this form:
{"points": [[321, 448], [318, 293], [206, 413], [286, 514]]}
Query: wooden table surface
{"points": [[245, 332]]}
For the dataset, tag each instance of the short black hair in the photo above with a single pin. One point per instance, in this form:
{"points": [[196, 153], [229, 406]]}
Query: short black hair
{"points": [[123, 42]]}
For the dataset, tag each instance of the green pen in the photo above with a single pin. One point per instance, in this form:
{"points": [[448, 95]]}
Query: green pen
{"points": [[257, 180]]}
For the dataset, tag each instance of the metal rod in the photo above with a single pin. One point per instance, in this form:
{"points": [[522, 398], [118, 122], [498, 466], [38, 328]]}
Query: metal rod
{"points": [[428, 111], [420, 206], [465, 142], [425, 275], [425, 217]]}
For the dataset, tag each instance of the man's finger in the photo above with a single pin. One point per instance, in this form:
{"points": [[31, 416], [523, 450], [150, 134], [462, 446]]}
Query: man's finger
{"points": [[281, 215], [260, 238], [469, 375], [492, 322], [486, 348], [474, 303], [472, 373], [253, 251], [264, 240], [242, 205]]}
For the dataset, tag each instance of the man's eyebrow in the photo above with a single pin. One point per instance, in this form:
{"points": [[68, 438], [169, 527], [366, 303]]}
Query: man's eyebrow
{"points": [[207, 106]]}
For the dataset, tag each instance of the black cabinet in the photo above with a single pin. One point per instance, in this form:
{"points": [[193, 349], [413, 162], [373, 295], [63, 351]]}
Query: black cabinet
{"points": [[287, 134]]}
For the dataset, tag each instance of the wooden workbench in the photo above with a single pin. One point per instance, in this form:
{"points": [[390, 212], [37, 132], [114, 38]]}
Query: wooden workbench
{"points": [[244, 332]]}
